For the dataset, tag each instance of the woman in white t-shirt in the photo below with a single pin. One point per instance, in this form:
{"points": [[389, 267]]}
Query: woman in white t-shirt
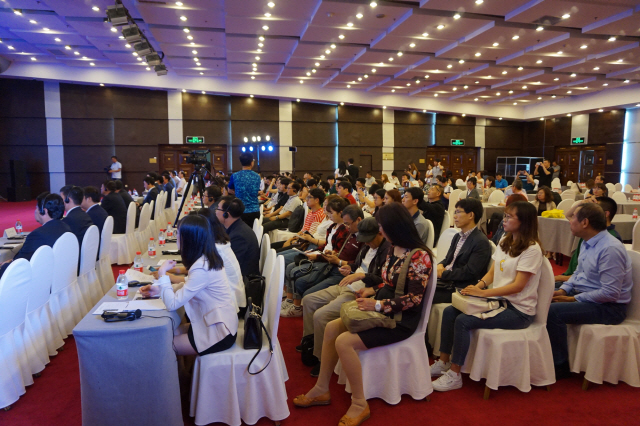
{"points": [[515, 275]]}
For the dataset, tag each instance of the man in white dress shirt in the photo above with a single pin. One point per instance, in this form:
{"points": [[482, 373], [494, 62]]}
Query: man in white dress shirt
{"points": [[116, 168]]}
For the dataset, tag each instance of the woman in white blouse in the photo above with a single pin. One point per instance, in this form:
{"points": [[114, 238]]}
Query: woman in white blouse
{"points": [[515, 275], [205, 294]]}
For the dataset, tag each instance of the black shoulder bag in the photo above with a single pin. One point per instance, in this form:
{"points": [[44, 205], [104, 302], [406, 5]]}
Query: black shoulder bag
{"points": [[253, 327]]}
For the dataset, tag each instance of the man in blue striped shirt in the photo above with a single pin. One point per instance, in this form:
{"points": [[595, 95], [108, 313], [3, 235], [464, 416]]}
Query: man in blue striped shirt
{"points": [[599, 290]]}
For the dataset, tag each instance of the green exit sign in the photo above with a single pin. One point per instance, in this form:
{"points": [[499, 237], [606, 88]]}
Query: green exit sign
{"points": [[577, 141], [457, 142], [195, 139]]}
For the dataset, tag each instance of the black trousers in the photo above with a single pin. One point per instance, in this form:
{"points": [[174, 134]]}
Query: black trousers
{"points": [[248, 218]]}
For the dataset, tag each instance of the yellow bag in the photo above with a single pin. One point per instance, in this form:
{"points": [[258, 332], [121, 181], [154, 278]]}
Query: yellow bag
{"points": [[555, 213]]}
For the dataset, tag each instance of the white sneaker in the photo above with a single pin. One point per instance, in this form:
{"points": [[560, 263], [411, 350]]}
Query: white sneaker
{"points": [[439, 368], [448, 381], [291, 311]]}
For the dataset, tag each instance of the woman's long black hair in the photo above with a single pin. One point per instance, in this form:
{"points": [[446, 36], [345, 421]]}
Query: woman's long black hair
{"points": [[398, 226], [342, 168], [196, 240]]}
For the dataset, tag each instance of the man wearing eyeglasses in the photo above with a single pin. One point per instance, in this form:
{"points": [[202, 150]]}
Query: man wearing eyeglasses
{"points": [[469, 255]]}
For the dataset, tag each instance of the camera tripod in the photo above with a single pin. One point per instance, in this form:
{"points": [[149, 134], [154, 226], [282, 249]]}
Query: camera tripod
{"points": [[196, 179]]}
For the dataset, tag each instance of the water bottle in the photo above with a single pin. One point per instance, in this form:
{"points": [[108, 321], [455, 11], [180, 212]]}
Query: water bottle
{"points": [[152, 248], [122, 286], [18, 227], [161, 238], [169, 230], [137, 262], [635, 214]]}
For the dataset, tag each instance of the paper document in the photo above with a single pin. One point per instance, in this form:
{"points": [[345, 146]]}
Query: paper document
{"points": [[133, 275], [146, 305], [111, 306]]}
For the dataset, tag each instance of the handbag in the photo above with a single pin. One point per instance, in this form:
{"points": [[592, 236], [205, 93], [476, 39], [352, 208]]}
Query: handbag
{"points": [[480, 307], [356, 320], [253, 327], [254, 286]]}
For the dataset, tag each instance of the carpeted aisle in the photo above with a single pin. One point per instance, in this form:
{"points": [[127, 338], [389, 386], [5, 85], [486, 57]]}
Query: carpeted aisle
{"points": [[54, 398]]}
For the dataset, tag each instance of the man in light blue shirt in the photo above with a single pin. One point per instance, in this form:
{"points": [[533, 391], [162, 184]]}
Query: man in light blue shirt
{"points": [[599, 290], [501, 183]]}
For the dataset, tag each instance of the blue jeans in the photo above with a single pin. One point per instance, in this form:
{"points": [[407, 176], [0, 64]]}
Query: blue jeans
{"points": [[312, 281], [561, 314], [456, 329]]}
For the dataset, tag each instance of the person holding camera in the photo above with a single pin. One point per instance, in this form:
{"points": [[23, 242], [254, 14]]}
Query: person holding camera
{"points": [[543, 173]]}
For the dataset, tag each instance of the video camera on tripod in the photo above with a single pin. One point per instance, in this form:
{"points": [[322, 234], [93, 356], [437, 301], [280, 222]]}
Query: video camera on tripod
{"points": [[202, 171]]}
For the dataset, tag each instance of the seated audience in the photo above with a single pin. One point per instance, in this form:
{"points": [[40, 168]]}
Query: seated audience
{"points": [[515, 275], [115, 207], [123, 193], [433, 209], [313, 219], [323, 306], [472, 192], [499, 217], [344, 249], [386, 183], [280, 220], [369, 180], [397, 227], [212, 195], [205, 289], [501, 183], [489, 187], [544, 200], [378, 200], [599, 190], [469, 253], [77, 219], [244, 242], [599, 290], [152, 193], [48, 213], [169, 187], [344, 190], [413, 196], [392, 196], [279, 199], [91, 205]]}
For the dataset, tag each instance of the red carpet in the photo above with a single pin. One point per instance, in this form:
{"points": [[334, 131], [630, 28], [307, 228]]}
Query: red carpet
{"points": [[54, 398]]}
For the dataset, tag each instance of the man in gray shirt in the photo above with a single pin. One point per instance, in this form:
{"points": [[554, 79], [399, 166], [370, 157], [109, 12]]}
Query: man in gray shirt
{"points": [[437, 169], [556, 170], [411, 204]]}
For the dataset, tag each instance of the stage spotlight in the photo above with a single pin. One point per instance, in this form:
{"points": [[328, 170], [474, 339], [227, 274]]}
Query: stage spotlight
{"points": [[251, 148], [244, 149], [270, 148], [263, 147]]}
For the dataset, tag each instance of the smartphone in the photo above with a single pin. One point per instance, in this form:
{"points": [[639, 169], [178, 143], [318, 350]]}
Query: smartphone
{"points": [[353, 290]]}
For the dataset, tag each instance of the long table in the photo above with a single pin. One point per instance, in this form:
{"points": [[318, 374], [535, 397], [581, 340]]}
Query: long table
{"points": [[6, 254], [128, 370]]}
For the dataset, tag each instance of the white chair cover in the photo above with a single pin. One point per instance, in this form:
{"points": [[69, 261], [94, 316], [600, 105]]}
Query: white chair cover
{"points": [[143, 232], [459, 182], [610, 353], [569, 183], [233, 272], [635, 239], [565, 204], [628, 188], [88, 277], [283, 234], [453, 199], [619, 197], [14, 359], [271, 314], [40, 320], [67, 304], [519, 358], [611, 187], [430, 234], [445, 225], [618, 187], [496, 197], [124, 246], [265, 246], [159, 213], [103, 266], [444, 242], [401, 368], [555, 184], [223, 391], [151, 227], [568, 195]]}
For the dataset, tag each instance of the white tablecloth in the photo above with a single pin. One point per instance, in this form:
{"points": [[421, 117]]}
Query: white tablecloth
{"points": [[627, 207], [488, 210], [6, 254]]}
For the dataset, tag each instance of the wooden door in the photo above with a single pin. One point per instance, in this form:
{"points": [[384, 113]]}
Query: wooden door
{"points": [[587, 160], [366, 163], [168, 160]]}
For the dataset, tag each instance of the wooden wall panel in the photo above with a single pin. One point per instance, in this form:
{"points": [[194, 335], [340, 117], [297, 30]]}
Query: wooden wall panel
{"points": [[356, 114], [140, 132], [87, 131], [446, 132], [205, 107], [355, 152], [533, 139], [613, 164], [84, 101], [606, 127], [315, 159], [84, 164], [310, 112], [412, 135], [214, 132], [412, 117], [503, 137], [557, 132], [314, 134], [250, 109], [359, 134], [403, 156], [147, 104], [23, 133]]}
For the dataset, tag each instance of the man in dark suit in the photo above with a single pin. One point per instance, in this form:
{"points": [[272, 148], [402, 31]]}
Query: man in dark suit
{"points": [[169, 187], [152, 194], [243, 240], [472, 191], [78, 220], [469, 254], [123, 193], [433, 209], [90, 204], [48, 213], [115, 207], [354, 171]]}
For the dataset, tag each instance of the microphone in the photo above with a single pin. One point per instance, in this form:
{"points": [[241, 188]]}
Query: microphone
{"points": [[112, 316]]}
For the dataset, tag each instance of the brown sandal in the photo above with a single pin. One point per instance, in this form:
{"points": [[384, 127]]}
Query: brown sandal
{"points": [[303, 402], [350, 421]]}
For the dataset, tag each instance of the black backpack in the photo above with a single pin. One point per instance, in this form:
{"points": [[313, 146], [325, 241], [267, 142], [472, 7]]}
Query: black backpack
{"points": [[296, 220]]}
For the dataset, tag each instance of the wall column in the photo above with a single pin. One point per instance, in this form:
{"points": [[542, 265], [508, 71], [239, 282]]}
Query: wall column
{"points": [[631, 148], [286, 136], [387, 140], [480, 141], [579, 127], [57, 178], [174, 103]]}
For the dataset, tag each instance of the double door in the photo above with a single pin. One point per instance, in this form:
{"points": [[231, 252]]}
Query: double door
{"points": [[175, 157], [580, 163], [459, 160]]}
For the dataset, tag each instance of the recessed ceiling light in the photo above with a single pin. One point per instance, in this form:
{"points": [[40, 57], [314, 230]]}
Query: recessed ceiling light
{"points": [[327, 51], [515, 37], [412, 45], [515, 103], [265, 27], [183, 18], [122, 37], [148, 69], [373, 4], [638, 105], [612, 38], [196, 59], [566, 16], [313, 70], [425, 34], [498, 94], [626, 81], [584, 46], [539, 98], [520, 68], [496, 44], [461, 61], [308, 74], [271, 4], [556, 79], [399, 53], [568, 92], [391, 59], [257, 58], [366, 76], [260, 44], [17, 12], [189, 37], [475, 99], [101, 84], [138, 59], [198, 63], [261, 38], [186, 30], [524, 87], [504, 72], [573, 74], [259, 50], [317, 64], [455, 89], [384, 107], [373, 70], [184, 90], [539, 61], [201, 73], [333, 46], [33, 21], [57, 39], [46, 29], [559, 52], [321, 56], [408, 84], [92, 64], [68, 47], [359, 16], [478, 54], [301, 81], [417, 81], [348, 86], [435, 94], [553, 96], [76, 53], [449, 66], [465, 87], [33, 58], [349, 24], [479, 1], [254, 65], [568, 115], [393, 90], [179, 3], [539, 28], [128, 46], [341, 36], [268, 15], [476, 82], [426, 76], [510, 91], [456, 16], [440, 27], [114, 29], [600, 110]]}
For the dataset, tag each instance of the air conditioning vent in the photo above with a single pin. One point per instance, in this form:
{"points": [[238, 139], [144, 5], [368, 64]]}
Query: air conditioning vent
{"points": [[547, 20]]}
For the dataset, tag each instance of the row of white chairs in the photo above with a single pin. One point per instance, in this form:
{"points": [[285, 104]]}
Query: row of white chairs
{"points": [[43, 299]]}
